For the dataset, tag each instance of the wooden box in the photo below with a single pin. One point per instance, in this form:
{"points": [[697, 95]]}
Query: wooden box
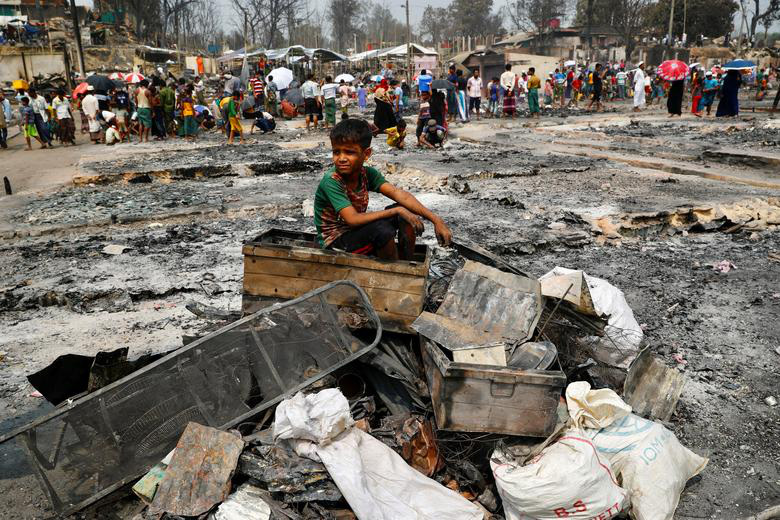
{"points": [[287, 264], [481, 398]]}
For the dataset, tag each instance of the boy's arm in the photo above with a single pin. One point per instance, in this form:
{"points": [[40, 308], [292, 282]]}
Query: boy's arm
{"points": [[410, 202]]}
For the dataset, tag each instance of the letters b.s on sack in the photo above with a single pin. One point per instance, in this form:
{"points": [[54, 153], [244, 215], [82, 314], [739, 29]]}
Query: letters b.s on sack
{"points": [[567, 480]]}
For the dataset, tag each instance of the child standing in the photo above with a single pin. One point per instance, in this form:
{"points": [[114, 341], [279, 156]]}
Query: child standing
{"points": [[548, 93], [361, 95], [27, 118], [493, 97]]}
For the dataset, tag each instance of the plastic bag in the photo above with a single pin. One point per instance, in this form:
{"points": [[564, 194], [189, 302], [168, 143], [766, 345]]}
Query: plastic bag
{"points": [[567, 480], [624, 334], [649, 461], [594, 408], [376, 482]]}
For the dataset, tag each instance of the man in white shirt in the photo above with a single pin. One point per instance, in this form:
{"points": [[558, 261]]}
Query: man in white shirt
{"points": [[311, 100], [639, 86], [67, 127], [474, 90], [621, 78], [329, 101], [508, 80], [6, 115], [90, 107]]}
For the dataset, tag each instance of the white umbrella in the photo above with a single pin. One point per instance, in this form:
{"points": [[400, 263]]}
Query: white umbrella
{"points": [[282, 77], [348, 78], [569, 63]]}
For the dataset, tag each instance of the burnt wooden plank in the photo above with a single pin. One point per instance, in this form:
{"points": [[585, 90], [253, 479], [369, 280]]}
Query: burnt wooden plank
{"points": [[331, 257], [383, 300], [365, 278], [199, 474]]}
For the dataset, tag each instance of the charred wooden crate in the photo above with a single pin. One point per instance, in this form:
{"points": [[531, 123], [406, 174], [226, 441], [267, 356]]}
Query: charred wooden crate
{"points": [[481, 398], [281, 264]]}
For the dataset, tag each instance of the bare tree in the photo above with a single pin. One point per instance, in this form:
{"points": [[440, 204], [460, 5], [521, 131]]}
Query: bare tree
{"points": [[343, 15], [436, 23], [534, 16], [769, 14]]}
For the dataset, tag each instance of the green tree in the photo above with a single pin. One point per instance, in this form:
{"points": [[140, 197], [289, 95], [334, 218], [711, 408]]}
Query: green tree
{"points": [[474, 18], [711, 18]]}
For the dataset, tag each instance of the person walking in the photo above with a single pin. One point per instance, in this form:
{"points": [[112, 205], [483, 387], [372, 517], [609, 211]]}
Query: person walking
{"points": [[329, 101], [38, 105], [597, 86], [729, 95], [696, 93], [5, 119], [463, 108], [675, 98], [27, 122], [168, 103], [474, 90], [639, 87], [91, 107], [709, 90]]}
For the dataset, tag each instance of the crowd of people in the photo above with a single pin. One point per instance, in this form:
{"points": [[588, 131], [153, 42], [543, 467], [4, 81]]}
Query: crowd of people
{"points": [[162, 108]]}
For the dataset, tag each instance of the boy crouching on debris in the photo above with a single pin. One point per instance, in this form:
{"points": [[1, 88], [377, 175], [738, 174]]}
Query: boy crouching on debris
{"points": [[342, 199]]}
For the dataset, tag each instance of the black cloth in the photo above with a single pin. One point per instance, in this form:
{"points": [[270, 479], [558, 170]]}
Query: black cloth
{"points": [[437, 108], [311, 107], [462, 84], [369, 238], [384, 116], [674, 101], [474, 104]]}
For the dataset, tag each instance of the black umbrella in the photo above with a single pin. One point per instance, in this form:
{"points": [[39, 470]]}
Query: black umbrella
{"points": [[101, 82], [441, 84]]}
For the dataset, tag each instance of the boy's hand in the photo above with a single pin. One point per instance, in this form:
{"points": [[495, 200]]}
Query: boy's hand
{"points": [[411, 219], [443, 233]]}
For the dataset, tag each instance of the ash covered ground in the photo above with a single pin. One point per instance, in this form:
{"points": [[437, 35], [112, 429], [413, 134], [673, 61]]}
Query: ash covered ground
{"points": [[520, 189]]}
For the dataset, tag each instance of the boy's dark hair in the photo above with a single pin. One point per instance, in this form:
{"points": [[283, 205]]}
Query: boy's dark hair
{"points": [[401, 124], [508, 66], [310, 76], [531, 70], [328, 79], [31, 91], [344, 116], [459, 72], [352, 131], [495, 79], [144, 83]]}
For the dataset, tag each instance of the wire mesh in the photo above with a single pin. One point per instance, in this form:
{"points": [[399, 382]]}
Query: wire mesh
{"points": [[97, 444]]}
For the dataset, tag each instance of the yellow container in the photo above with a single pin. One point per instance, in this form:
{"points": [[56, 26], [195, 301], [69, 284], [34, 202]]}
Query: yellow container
{"points": [[20, 84]]}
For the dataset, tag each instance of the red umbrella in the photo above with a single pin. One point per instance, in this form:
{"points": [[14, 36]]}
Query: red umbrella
{"points": [[673, 70], [134, 77], [80, 89]]}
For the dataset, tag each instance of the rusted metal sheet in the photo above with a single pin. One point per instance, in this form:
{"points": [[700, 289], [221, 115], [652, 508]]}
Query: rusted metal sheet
{"points": [[199, 474], [484, 305], [652, 388], [474, 398]]}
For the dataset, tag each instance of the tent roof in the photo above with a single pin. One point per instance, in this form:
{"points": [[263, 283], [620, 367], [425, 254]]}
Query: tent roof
{"points": [[399, 50], [278, 54]]}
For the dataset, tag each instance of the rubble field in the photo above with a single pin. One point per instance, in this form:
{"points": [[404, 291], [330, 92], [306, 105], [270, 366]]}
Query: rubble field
{"points": [[681, 215]]}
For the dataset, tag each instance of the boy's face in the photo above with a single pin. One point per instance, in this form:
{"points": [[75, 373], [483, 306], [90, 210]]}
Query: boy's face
{"points": [[348, 157]]}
